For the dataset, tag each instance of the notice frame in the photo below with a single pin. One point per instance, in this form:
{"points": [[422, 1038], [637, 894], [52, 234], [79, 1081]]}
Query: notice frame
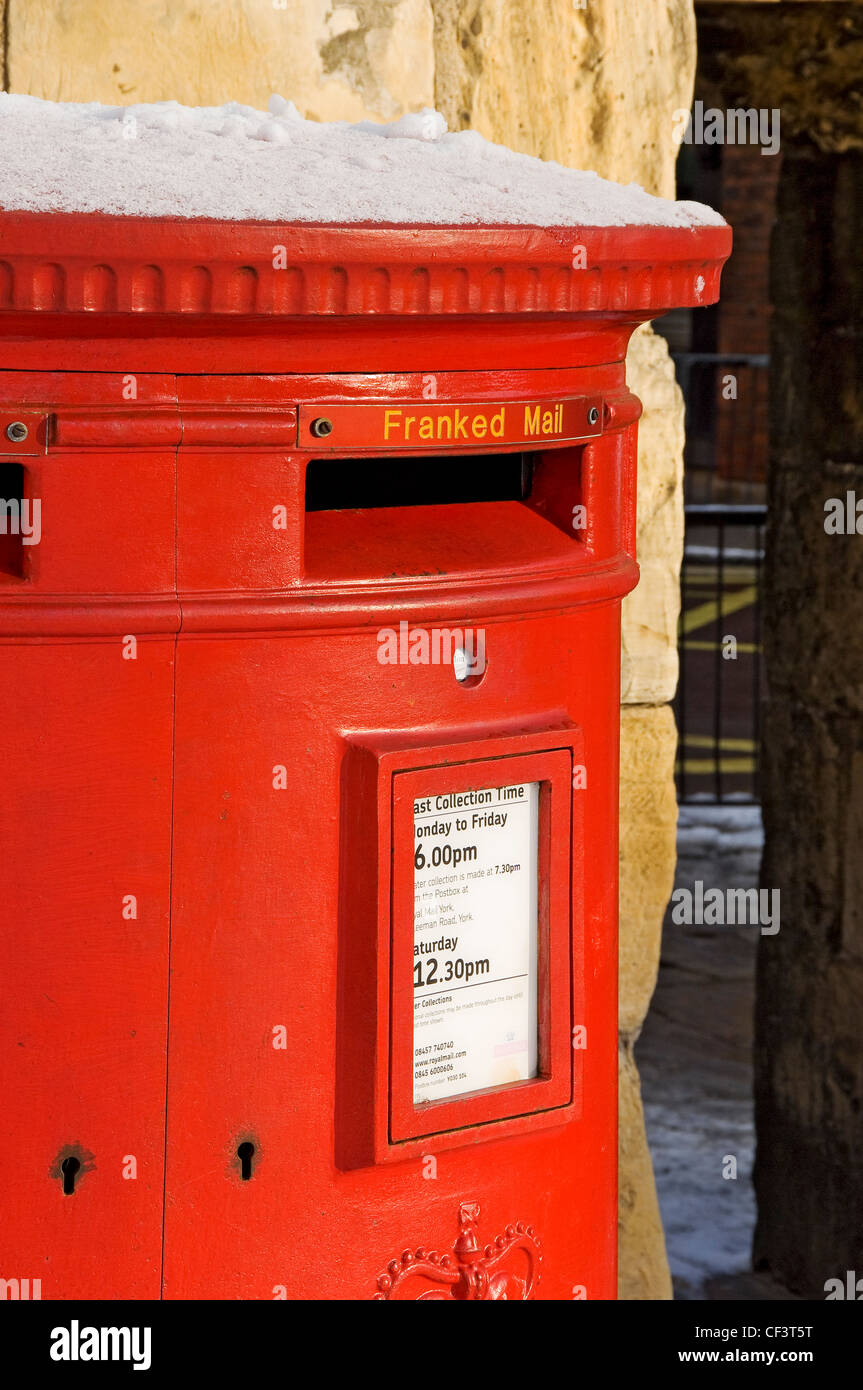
{"points": [[551, 1087]]}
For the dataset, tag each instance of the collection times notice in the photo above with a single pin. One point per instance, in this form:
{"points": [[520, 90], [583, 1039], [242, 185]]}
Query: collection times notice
{"points": [[475, 939]]}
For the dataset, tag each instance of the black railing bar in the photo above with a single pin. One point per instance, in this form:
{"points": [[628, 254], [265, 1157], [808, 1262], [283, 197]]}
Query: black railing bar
{"points": [[717, 668], [711, 552], [757, 658], [743, 359], [681, 683], [752, 512]]}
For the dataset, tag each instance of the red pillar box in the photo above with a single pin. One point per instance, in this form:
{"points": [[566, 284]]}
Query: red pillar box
{"points": [[310, 746]]}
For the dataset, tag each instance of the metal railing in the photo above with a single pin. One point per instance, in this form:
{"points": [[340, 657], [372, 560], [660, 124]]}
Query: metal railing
{"points": [[726, 425], [719, 692]]}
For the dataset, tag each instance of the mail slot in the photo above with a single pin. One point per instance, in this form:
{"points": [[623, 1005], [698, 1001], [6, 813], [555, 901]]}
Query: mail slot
{"points": [[310, 689]]}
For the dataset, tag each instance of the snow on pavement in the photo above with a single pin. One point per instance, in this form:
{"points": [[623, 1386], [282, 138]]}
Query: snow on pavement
{"points": [[694, 1057]]}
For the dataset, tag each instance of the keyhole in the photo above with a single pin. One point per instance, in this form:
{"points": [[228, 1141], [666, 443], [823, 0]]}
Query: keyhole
{"points": [[245, 1153], [69, 1168]]}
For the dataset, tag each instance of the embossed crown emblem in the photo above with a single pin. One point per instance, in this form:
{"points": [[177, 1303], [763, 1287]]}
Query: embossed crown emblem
{"points": [[507, 1269]]}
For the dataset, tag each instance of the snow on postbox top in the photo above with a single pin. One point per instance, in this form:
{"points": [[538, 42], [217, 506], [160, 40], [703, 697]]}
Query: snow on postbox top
{"points": [[168, 209]]}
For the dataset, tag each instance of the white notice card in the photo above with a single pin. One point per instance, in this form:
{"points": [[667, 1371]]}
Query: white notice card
{"points": [[475, 940]]}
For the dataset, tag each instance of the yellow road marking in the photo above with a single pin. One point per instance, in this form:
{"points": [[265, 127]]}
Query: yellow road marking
{"points": [[704, 613], [734, 574], [737, 745], [748, 648], [696, 766]]}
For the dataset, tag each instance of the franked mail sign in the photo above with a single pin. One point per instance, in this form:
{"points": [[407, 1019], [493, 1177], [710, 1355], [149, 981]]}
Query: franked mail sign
{"points": [[444, 425], [475, 940]]}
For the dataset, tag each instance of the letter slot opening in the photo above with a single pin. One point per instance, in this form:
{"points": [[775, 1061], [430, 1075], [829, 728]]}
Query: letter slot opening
{"points": [[358, 484], [428, 514], [16, 520]]}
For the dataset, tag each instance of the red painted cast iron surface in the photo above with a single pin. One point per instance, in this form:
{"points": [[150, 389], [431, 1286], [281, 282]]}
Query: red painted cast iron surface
{"points": [[205, 763]]}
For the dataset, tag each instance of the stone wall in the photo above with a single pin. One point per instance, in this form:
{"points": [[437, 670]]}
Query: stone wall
{"points": [[591, 83]]}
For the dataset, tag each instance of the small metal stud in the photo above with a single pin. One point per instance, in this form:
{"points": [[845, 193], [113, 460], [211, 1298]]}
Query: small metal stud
{"points": [[592, 415], [17, 432], [322, 427]]}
